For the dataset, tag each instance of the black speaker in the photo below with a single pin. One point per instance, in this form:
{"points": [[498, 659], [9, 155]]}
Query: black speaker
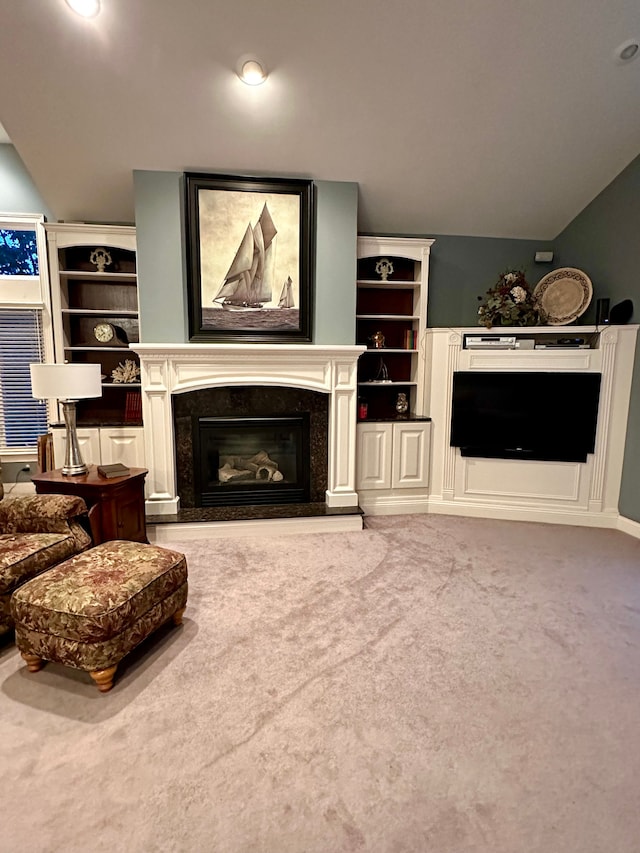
{"points": [[602, 312], [621, 313]]}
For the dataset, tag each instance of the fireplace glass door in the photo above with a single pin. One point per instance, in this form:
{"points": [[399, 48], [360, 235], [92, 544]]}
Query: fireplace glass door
{"points": [[248, 461]]}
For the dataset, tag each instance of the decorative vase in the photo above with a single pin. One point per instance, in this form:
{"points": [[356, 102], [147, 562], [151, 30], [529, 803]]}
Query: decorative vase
{"points": [[402, 404]]}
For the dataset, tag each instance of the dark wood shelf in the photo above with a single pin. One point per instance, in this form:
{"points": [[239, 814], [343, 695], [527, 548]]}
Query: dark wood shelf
{"points": [[87, 297], [100, 276], [100, 312], [390, 307]]}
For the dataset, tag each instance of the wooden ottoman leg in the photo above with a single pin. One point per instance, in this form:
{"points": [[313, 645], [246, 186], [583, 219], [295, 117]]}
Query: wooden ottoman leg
{"points": [[34, 663], [104, 678], [177, 616]]}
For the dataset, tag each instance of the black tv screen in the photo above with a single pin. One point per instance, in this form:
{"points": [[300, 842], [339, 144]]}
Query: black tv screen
{"points": [[545, 416]]}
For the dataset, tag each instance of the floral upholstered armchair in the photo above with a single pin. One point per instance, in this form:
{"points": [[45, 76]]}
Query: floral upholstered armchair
{"points": [[36, 533]]}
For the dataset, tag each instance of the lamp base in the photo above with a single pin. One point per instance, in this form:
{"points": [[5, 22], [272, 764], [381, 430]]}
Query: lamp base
{"points": [[73, 471], [73, 462]]}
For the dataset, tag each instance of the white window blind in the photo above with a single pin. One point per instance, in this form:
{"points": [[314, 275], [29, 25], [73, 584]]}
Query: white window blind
{"points": [[22, 419]]}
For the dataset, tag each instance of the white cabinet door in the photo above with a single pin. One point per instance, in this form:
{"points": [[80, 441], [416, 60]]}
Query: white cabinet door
{"points": [[410, 455], [103, 445], [373, 463], [122, 444], [88, 440]]}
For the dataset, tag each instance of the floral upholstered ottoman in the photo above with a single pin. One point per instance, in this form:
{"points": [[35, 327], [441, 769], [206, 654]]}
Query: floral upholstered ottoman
{"points": [[92, 610]]}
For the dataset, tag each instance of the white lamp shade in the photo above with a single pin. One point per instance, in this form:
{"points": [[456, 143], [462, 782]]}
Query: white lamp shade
{"points": [[65, 381]]}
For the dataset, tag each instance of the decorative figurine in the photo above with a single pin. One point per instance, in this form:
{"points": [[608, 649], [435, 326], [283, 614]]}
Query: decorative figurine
{"points": [[100, 258], [382, 374], [402, 404], [384, 268], [378, 340]]}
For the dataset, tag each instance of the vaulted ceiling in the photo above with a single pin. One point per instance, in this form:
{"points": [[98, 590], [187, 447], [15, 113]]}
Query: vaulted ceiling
{"points": [[478, 117]]}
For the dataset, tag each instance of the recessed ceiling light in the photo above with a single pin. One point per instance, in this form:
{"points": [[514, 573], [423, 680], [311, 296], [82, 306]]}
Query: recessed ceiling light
{"points": [[251, 72], [627, 51], [86, 8]]}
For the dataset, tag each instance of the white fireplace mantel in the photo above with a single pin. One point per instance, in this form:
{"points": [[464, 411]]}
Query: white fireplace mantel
{"points": [[168, 369]]}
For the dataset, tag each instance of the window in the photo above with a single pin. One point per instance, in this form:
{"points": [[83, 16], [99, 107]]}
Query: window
{"points": [[18, 252], [25, 331], [22, 419]]}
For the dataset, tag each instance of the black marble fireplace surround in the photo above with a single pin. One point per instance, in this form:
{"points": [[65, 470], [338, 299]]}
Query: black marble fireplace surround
{"points": [[191, 411]]}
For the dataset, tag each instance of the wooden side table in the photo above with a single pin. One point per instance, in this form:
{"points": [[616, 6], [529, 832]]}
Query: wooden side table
{"points": [[116, 505]]}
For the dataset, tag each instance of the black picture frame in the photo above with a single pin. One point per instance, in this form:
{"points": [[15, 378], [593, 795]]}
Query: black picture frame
{"points": [[250, 258]]}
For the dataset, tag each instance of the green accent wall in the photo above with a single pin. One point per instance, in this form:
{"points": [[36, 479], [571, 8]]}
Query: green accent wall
{"points": [[159, 200], [18, 193], [603, 241], [463, 268], [336, 246], [162, 292]]}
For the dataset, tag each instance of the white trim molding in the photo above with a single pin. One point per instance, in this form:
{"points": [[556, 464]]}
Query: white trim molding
{"points": [[628, 525]]}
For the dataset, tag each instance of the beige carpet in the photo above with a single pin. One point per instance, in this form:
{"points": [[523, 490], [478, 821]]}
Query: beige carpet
{"points": [[430, 684]]}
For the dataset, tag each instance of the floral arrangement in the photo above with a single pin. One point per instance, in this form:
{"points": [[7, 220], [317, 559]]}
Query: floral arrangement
{"points": [[509, 302]]}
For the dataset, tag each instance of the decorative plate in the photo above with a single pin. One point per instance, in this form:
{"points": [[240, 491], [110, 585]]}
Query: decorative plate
{"points": [[563, 295]]}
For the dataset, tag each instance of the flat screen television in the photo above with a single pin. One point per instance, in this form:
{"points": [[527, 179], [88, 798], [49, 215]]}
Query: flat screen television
{"points": [[546, 416]]}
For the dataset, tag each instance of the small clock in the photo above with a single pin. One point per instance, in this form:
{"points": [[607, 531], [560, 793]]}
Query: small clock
{"points": [[104, 332]]}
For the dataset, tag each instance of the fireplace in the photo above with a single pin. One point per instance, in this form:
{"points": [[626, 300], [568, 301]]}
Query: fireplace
{"points": [[250, 461], [170, 372], [251, 445]]}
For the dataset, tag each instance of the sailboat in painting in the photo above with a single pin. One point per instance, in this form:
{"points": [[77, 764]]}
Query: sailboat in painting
{"points": [[248, 284], [286, 297]]}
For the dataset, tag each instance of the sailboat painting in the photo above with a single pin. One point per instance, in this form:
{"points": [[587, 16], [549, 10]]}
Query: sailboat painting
{"points": [[249, 284], [252, 262]]}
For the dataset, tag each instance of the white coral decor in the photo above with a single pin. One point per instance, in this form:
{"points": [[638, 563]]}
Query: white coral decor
{"points": [[126, 372]]}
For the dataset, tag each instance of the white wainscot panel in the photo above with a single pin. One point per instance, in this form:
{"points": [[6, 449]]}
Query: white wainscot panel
{"points": [[525, 482], [410, 455], [374, 456], [122, 444]]}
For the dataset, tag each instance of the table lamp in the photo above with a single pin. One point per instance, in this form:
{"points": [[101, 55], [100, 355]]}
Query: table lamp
{"points": [[67, 383]]}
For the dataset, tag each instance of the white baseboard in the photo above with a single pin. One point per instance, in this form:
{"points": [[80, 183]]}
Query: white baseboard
{"points": [[162, 506], [627, 525], [392, 504], [161, 533], [395, 505], [399, 505], [509, 512]]}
